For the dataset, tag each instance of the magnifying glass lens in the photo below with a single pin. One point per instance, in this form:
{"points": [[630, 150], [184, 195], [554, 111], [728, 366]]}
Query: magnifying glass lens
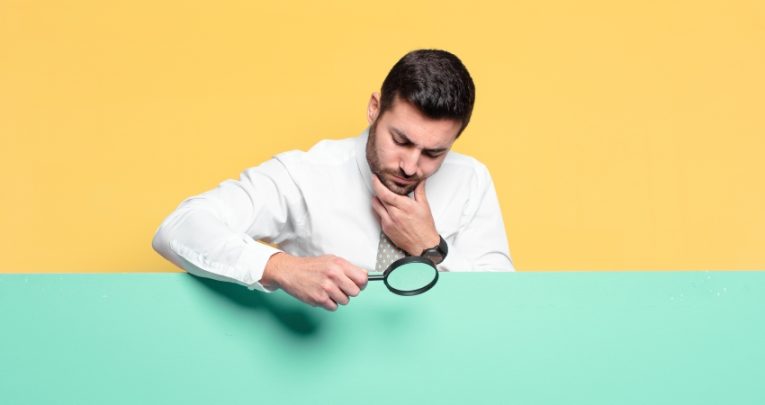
{"points": [[411, 276]]}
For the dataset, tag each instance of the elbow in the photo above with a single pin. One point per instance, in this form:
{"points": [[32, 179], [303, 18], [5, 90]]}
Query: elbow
{"points": [[159, 242], [155, 242]]}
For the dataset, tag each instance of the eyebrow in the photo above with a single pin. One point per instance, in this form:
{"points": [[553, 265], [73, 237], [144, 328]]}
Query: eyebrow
{"points": [[406, 139]]}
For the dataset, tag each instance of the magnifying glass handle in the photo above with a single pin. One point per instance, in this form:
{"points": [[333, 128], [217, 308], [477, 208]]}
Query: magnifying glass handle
{"points": [[373, 277]]}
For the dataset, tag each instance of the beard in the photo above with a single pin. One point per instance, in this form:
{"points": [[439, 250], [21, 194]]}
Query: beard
{"points": [[386, 175]]}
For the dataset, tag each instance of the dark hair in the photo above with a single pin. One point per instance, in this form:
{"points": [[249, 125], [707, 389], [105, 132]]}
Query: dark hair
{"points": [[434, 81]]}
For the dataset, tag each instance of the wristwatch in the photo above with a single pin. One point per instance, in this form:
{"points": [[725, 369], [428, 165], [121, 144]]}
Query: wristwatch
{"points": [[437, 253]]}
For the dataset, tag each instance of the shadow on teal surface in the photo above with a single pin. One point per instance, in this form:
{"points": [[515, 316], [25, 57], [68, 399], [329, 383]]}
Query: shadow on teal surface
{"points": [[292, 314]]}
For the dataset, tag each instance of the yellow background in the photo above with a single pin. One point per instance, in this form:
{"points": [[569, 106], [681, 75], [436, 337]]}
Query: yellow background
{"points": [[620, 135]]}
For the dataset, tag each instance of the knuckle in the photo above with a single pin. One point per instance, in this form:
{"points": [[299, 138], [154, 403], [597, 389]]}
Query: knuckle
{"points": [[333, 272], [319, 298], [327, 286]]}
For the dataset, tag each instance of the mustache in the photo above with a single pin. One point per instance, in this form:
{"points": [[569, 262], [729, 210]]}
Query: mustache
{"points": [[400, 173]]}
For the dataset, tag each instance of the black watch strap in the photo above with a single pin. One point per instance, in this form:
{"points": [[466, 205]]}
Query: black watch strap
{"points": [[437, 253]]}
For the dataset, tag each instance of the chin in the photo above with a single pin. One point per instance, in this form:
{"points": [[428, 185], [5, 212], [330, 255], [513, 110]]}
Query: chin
{"points": [[398, 189]]}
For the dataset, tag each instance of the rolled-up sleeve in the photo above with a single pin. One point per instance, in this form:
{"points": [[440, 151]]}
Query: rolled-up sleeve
{"points": [[218, 234]]}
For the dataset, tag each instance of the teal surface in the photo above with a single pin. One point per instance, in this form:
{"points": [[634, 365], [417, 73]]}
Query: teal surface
{"points": [[412, 276], [478, 338]]}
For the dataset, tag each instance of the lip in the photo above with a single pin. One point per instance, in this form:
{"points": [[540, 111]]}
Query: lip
{"points": [[402, 181]]}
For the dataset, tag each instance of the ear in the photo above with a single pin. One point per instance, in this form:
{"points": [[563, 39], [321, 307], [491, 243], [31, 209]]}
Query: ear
{"points": [[373, 109]]}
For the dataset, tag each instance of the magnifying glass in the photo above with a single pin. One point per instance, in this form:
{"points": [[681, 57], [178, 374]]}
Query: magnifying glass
{"points": [[409, 275]]}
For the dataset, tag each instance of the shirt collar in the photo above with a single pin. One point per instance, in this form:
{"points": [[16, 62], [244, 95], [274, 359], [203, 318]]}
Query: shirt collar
{"points": [[361, 159]]}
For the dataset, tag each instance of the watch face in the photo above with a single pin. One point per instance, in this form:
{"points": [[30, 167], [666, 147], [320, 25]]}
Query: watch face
{"points": [[434, 256]]}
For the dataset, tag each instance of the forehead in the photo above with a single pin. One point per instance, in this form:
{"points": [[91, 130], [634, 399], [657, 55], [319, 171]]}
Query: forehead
{"points": [[426, 132]]}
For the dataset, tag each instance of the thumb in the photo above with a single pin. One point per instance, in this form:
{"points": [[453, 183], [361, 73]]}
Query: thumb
{"points": [[419, 192]]}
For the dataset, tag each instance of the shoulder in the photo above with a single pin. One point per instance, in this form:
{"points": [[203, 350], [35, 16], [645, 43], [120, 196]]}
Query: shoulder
{"points": [[463, 168], [328, 152], [460, 179], [285, 165]]}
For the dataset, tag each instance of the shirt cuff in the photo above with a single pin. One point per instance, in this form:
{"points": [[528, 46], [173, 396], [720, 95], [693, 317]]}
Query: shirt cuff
{"points": [[252, 263], [247, 271]]}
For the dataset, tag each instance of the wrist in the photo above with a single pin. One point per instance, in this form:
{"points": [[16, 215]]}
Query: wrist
{"points": [[428, 243], [271, 278], [437, 252]]}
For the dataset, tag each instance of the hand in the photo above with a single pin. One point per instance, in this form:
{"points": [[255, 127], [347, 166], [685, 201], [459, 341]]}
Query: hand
{"points": [[324, 281], [407, 222]]}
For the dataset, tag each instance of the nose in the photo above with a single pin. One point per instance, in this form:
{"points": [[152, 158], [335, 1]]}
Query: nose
{"points": [[409, 161]]}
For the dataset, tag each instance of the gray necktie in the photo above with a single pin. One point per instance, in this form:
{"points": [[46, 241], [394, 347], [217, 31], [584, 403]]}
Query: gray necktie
{"points": [[387, 253]]}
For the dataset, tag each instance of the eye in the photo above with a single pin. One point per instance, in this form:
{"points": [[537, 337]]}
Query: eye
{"points": [[433, 155], [398, 141]]}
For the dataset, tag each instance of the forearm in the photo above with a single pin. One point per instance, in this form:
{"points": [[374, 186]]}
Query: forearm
{"points": [[196, 240], [463, 257], [481, 242]]}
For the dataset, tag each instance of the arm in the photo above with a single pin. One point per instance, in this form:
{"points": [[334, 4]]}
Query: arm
{"points": [[480, 243], [214, 234]]}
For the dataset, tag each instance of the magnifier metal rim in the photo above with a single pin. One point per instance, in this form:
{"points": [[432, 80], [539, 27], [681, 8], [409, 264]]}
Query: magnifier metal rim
{"points": [[407, 260]]}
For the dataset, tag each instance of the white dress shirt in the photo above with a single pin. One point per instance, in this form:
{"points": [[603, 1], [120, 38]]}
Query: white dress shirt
{"points": [[320, 202]]}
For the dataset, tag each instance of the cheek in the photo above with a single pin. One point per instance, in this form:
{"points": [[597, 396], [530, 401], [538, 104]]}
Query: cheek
{"points": [[388, 157], [429, 167]]}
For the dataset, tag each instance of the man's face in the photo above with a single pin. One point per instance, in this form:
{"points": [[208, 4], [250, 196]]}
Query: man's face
{"points": [[405, 146]]}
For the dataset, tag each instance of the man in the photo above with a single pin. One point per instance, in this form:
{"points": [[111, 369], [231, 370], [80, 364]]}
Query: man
{"points": [[350, 206]]}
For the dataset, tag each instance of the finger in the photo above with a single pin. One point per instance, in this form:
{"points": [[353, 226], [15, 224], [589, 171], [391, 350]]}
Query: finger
{"points": [[385, 218], [380, 209], [384, 194], [348, 286], [419, 192], [385, 213], [358, 276], [329, 305], [342, 280], [338, 296]]}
